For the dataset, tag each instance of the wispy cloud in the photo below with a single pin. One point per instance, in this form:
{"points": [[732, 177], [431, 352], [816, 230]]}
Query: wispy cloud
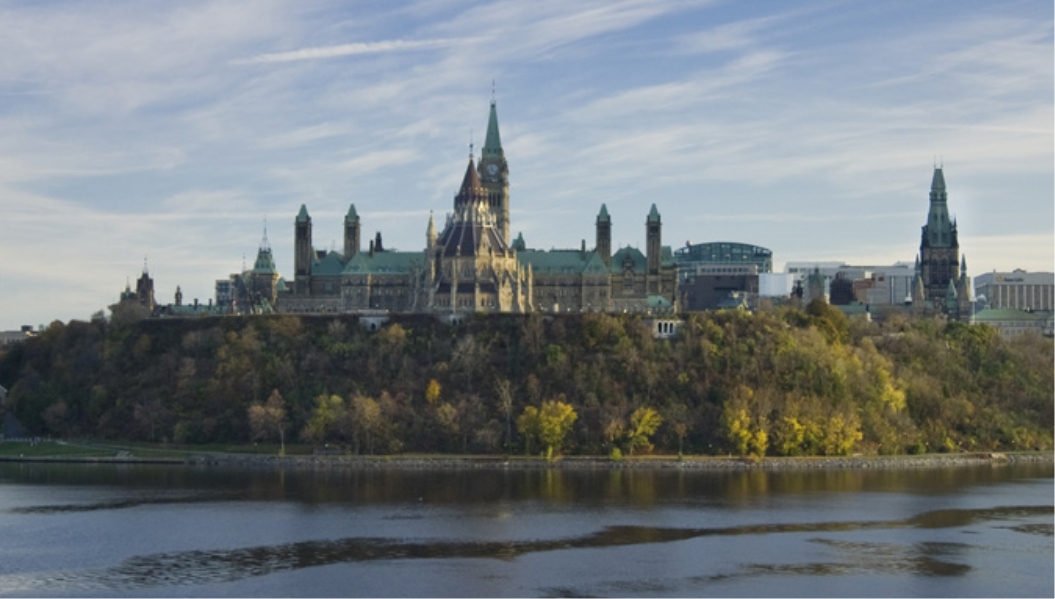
{"points": [[353, 49]]}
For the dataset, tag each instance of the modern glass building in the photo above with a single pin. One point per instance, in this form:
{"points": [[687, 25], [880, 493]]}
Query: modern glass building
{"points": [[722, 257]]}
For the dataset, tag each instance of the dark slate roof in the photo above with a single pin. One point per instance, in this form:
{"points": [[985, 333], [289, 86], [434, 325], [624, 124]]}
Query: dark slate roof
{"points": [[471, 191], [469, 235]]}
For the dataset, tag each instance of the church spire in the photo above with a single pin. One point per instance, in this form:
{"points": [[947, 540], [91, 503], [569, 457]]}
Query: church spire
{"points": [[493, 141], [939, 227]]}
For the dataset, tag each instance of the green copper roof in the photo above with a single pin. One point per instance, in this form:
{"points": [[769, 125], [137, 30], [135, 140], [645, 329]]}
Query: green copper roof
{"points": [[940, 231], [602, 216], [629, 255], [519, 244], [666, 256], [653, 215], [330, 265], [939, 180], [658, 301], [562, 261], [352, 215], [385, 263], [1000, 314], [493, 143], [302, 216], [595, 264], [265, 264]]}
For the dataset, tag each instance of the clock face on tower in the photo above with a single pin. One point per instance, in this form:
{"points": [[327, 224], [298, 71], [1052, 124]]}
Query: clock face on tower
{"points": [[492, 169]]}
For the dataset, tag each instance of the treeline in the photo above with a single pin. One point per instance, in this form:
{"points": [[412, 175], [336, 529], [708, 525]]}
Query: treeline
{"points": [[788, 382]]}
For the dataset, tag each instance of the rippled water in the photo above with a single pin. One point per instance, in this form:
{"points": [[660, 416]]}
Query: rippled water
{"points": [[77, 530]]}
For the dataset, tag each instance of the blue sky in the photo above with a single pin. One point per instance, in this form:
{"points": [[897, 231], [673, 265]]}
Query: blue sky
{"points": [[172, 130]]}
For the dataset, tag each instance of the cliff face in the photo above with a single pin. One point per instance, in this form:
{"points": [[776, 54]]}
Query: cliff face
{"points": [[783, 383]]}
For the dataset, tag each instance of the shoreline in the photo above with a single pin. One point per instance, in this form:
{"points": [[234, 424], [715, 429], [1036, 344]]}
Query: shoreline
{"points": [[436, 462], [693, 463]]}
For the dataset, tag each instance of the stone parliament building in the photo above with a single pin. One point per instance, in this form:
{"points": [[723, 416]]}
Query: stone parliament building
{"points": [[472, 265]]}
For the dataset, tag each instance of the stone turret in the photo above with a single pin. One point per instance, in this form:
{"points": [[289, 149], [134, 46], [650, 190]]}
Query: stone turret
{"points": [[351, 233], [604, 235], [302, 252]]}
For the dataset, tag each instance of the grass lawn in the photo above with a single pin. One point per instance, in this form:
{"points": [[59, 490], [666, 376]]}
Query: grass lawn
{"points": [[51, 449]]}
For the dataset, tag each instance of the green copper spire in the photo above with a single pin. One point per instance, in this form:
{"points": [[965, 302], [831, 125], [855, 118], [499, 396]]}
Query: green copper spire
{"points": [[352, 214], [493, 142], [939, 228], [302, 216], [653, 215], [602, 216], [938, 183]]}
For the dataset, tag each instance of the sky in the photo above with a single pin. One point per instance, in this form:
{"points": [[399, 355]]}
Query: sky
{"points": [[174, 133]]}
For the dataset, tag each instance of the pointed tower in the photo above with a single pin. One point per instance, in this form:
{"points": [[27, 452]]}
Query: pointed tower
{"points": [[653, 248], [430, 234], [264, 274], [494, 173], [471, 191], [939, 247], [145, 288], [302, 257], [604, 235], [351, 233]]}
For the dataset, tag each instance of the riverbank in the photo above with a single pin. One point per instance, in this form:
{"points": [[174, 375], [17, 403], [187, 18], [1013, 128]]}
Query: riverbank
{"points": [[91, 453], [603, 463]]}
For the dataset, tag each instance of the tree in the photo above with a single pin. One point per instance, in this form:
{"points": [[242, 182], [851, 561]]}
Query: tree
{"points": [[432, 391], [529, 426], [268, 420], [678, 417], [744, 426], [555, 420], [504, 390], [366, 416], [643, 424], [447, 416], [324, 416]]}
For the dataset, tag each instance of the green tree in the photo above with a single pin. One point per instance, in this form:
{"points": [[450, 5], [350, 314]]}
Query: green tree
{"points": [[643, 424], [529, 426], [555, 421], [324, 418]]}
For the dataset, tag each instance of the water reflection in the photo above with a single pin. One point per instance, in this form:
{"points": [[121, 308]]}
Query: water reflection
{"points": [[636, 487], [224, 565], [119, 504]]}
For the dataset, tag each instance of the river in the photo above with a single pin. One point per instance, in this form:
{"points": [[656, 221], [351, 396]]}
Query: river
{"points": [[160, 531]]}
